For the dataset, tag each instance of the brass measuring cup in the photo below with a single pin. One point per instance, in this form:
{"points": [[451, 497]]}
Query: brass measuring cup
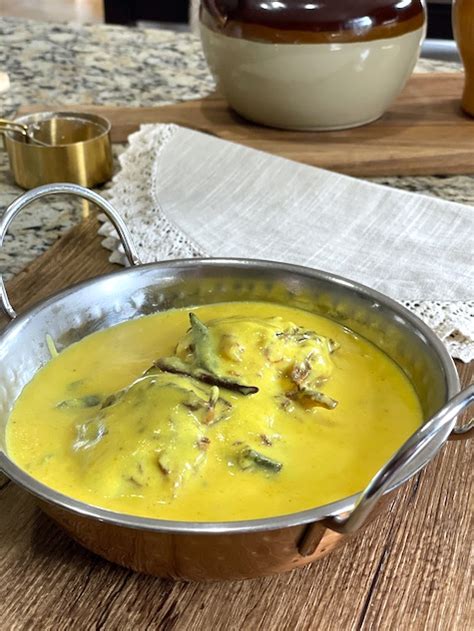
{"points": [[49, 147]]}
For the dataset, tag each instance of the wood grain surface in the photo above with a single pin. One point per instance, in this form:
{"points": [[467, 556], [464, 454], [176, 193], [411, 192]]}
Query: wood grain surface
{"points": [[424, 132], [410, 571]]}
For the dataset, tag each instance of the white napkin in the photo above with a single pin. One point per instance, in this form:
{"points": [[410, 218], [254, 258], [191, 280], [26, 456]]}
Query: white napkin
{"points": [[184, 193]]}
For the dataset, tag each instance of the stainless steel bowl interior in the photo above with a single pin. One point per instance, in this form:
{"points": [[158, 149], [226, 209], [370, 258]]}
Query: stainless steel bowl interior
{"points": [[138, 291]]}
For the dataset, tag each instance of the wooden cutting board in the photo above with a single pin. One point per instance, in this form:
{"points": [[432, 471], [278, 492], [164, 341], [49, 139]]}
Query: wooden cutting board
{"points": [[423, 133], [409, 570]]}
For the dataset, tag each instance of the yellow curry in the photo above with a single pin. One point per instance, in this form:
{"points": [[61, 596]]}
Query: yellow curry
{"points": [[223, 412]]}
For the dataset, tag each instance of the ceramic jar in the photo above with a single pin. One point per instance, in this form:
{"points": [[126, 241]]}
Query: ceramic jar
{"points": [[463, 26], [311, 64]]}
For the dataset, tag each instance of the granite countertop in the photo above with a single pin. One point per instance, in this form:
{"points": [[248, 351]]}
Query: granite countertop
{"points": [[111, 65]]}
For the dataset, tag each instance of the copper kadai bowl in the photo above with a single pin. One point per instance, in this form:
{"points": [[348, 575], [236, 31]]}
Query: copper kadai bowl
{"points": [[243, 549]]}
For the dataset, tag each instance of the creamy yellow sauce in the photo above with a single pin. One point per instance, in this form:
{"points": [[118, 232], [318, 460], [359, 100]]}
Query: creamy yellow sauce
{"points": [[329, 411]]}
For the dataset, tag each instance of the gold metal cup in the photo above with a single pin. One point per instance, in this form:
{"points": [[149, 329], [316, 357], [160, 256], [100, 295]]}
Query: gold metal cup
{"points": [[77, 149]]}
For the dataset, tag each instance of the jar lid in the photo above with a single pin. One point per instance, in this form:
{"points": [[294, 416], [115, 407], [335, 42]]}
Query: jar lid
{"points": [[315, 21]]}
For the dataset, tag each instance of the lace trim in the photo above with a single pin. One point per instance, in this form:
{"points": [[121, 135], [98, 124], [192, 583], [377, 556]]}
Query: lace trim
{"points": [[157, 239], [453, 322]]}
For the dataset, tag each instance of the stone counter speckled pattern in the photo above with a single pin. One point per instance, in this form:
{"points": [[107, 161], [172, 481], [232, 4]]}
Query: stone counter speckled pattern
{"points": [[109, 65]]}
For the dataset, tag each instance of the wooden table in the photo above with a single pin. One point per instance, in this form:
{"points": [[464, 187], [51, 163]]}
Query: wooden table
{"points": [[409, 571]]}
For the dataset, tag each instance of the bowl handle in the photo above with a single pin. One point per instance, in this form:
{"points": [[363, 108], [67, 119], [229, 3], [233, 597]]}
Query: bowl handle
{"points": [[419, 449], [60, 189]]}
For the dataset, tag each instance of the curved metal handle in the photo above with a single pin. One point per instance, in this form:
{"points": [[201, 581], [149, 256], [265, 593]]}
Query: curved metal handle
{"points": [[420, 447], [19, 128], [16, 128], [462, 432], [22, 130], [60, 189]]}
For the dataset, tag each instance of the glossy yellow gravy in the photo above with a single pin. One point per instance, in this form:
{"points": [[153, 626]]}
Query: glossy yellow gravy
{"points": [[330, 410]]}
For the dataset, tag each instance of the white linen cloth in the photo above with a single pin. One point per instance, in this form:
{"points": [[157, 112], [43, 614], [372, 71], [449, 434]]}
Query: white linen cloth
{"points": [[184, 193]]}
